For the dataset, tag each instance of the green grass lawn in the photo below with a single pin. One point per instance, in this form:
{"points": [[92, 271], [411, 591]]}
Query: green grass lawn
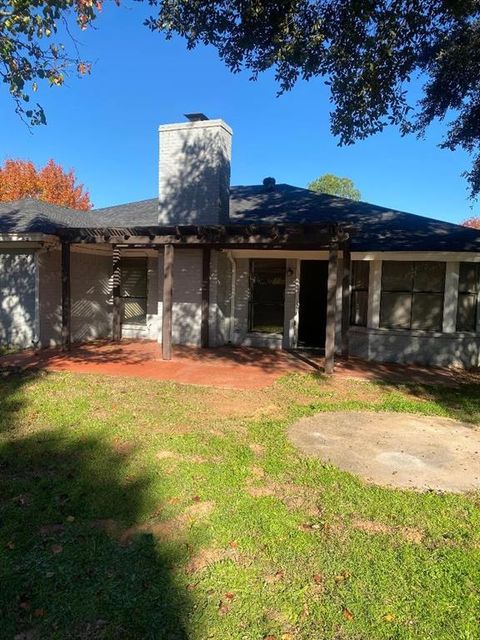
{"points": [[134, 509]]}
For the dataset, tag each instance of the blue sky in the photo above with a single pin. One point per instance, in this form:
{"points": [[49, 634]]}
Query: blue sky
{"points": [[105, 126]]}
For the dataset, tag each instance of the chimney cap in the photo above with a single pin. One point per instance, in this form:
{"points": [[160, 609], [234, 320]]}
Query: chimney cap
{"points": [[269, 183], [196, 117]]}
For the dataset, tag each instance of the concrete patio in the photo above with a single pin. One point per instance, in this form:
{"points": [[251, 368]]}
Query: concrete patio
{"points": [[228, 367]]}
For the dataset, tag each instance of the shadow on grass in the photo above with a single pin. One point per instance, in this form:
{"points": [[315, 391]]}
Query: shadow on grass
{"points": [[63, 575]]}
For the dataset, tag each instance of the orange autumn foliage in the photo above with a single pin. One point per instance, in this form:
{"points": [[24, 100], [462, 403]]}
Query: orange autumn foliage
{"points": [[472, 222], [20, 179]]}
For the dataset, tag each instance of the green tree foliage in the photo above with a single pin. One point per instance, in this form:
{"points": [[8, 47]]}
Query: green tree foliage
{"points": [[366, 51], [30, 51], [335, 186]]}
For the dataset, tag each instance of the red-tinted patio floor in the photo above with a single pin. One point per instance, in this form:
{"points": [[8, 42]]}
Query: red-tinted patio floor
{"points": [[230, 367]]}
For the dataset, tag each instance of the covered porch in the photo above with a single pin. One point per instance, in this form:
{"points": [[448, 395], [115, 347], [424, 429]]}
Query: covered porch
{"points": [[209, 241]]}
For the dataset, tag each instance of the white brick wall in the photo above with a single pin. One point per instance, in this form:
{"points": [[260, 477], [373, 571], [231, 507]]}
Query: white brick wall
{"points": [[194, 172], [50, 298], [187, 296], [91, 278], [17, 298]]}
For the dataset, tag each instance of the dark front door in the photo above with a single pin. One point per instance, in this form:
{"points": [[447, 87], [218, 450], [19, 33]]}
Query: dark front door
{"points": [[313, 303]]}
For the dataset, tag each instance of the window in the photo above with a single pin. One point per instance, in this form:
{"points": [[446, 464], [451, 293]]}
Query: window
{"points": [[468, 294], [412, 295], [133, 290], [359, 297], [267, 295]]}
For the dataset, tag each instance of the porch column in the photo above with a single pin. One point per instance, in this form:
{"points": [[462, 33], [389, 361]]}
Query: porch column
{"points": [[66, 296], [116, 312], [331, 309], [167, 302], [450, 303], [205, 297], [346, 293]]}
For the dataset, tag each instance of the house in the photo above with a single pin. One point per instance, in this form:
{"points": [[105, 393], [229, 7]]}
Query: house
{"points": [[268, 265]]}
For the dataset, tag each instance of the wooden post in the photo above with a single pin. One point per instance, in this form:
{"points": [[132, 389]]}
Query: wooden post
{"points": [[167, 302], [346, 293], [116, 281], [205, 297], [331, 309], [66, 296]]}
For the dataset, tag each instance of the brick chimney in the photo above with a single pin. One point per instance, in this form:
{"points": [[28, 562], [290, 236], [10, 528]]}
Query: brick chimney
{"points": [[194, 181]]}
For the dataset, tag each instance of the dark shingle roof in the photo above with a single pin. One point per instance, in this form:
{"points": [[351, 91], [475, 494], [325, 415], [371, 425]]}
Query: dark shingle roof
{"points": [[379, 228], [134, 214], [34, 216]]}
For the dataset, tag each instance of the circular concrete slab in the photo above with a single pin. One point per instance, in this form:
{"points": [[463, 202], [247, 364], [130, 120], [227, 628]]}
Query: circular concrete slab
{"points": [[395, 449]]}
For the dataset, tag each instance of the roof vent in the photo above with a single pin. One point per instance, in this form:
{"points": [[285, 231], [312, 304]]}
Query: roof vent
{"points": [[196, 117], [269, 183]]}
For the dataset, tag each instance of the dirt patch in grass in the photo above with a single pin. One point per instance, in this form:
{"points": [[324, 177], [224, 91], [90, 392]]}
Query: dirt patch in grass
{"points": [[258, 450], [410, 534], [257, 472], [195, 459], [123, 447], [207, 557], [261, 491], [173, 529], [229, 404], [294, 497]]}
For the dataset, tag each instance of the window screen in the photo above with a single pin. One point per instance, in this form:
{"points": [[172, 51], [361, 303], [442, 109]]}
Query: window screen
{"points": [[412, 295], [267, 295], [468, 294], [359, 297], [133, 290]]}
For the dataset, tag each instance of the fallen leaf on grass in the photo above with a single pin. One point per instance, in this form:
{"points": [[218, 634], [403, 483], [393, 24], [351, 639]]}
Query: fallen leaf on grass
{"points": [[70, 518], [39, 613], [347, 614], [10, 545], [276, 577], [312, 526], [389, 617], [317, 578], [344, 575], [56, 548], [223, 608], [229, 595]]}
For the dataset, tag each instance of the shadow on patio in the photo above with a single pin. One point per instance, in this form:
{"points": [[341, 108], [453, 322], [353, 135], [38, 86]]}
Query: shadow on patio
{"points": [[230, 367]]}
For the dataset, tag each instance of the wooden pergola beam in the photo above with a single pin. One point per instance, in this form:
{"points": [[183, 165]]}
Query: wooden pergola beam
{"points": [[346, 296], [218, 236], [206, 254], [116, 281], [236, 241], [167, 306], [66, 297], [331, 309]]}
